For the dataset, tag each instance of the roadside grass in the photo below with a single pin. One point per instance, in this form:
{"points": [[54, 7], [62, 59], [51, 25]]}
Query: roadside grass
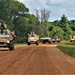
{"points": [[67, 48]]}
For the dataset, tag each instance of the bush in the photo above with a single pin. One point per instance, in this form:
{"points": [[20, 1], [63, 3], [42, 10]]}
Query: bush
{"points": [[21, 40], [57, 30]]}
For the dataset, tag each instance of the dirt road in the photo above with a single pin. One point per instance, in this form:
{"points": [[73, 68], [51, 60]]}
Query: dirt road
{"points": [[36, 60]]}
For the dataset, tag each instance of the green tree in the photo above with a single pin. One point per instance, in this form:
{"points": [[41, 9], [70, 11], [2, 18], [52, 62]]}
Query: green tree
{"points": [[67, 32], [62, 22], [64, 19], [57, 30], [72, 24], [10, 10], [22, 28]]}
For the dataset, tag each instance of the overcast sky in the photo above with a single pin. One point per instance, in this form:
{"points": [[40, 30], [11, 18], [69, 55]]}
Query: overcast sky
{"points": [[57, 7]]}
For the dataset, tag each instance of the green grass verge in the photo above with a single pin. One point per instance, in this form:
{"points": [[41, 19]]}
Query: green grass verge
{"points": [[68, 48]]}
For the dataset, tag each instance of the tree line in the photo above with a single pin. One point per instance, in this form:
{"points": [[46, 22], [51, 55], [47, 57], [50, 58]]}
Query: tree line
{"points": [[17, 17]]}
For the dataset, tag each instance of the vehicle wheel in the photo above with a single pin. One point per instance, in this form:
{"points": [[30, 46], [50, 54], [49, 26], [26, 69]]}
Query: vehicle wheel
{"points": [[37, 43], [58, 41], [43, 42], [49, 42], [53, 41], [70, 41], [11, 45], [28, 43]]}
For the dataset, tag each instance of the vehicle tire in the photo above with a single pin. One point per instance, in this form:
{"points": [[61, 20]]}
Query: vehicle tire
{"points": [[70, 40], [53, 41], [58, 41], [43, 42], [11, 45], [37, 43], [28, 43], [49, 42]]}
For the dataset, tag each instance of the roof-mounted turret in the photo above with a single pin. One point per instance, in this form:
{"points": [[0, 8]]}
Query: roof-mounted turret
{"points": [[2, 26]]}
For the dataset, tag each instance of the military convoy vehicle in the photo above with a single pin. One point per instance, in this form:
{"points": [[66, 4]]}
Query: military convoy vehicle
{"points": [[6, 37], [46, 39], [33, 39], [72, 38], [56, 39]]}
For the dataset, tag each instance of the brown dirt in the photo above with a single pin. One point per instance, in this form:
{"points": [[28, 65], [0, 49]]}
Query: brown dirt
{"points": [[36, 60]]}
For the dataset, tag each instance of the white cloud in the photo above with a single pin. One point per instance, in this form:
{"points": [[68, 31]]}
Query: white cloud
{"points": [[57, 7], [62, 11], [38, 8], [56, 1]]}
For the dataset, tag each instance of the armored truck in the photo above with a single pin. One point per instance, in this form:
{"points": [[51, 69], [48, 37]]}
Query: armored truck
{"points": [[6, 37], [33, 39], [72, 38], [46, 39], [56, 39]]}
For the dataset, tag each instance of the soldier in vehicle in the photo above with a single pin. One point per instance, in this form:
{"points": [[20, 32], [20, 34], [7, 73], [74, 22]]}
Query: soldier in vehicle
{"points": [[56, 36], [46, 35], [2, 27], [33, 34]]}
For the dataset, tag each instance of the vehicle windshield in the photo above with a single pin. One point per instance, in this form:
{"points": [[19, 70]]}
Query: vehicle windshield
{"points": [[4, 32]]}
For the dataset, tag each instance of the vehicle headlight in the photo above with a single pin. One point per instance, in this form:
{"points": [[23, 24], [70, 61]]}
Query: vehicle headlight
{"points": [[8, 41]]}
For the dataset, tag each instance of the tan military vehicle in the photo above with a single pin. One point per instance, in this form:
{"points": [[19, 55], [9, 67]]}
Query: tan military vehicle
{"points": [[33, 39], [6, 38], [56, 39], [72, 38], [46, 39]]}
